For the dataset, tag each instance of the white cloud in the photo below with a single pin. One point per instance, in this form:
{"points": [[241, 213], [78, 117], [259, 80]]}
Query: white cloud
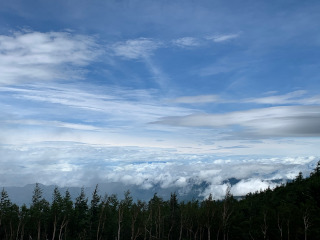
{"points": [[114, 103], [120, 117], [197, 99], [186, 42], [111, 116], [30, 56], [217, 191], [289, 98], [135, 48], [74, 164], [251, 185], [297, 97], [142, 49], [57, 124], [222, 38]]}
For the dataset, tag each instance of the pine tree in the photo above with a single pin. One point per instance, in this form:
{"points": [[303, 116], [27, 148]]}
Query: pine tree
{"points": [[81, 217], [94, 213], [5, 207], [56, 208], [39, 210]]}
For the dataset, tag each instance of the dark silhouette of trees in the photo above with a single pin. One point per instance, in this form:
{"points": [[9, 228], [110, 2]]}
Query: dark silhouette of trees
{"points": [[39, 210]]}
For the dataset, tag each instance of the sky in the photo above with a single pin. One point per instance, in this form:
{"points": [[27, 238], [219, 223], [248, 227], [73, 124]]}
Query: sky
{"points": [[166, 93]]}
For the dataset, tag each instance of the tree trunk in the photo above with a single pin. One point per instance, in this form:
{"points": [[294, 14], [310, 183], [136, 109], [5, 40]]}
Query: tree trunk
{"points": [[264, 227], [181, 226], [134, 219], [54, 227], [101, 222], [120, 215], [306, 223], [280, 227], [170, 231], [22, 232], [39, 230], [288, 229], [63, 225], [218, 233]]}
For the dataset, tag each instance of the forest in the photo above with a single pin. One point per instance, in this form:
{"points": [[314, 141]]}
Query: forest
{"points": [[289, 211]]}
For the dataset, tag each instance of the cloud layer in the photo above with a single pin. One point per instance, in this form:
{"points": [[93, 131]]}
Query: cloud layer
{"points": [[79, 164], [284, 121]]}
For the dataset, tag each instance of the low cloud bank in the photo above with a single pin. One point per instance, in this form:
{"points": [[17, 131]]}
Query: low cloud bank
{"points": [[78, 165]]}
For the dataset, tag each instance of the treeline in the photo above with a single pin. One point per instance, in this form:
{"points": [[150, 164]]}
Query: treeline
{"points": [[290, 211]]}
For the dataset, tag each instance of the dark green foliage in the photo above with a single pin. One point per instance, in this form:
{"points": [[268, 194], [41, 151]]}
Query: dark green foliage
{"points": [[290, 211], [81, 216], [39, 213], [9, 216]]}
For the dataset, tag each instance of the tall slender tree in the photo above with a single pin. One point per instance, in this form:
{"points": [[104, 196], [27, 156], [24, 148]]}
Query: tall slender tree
{"points": [[81, 218], [39, 210]]}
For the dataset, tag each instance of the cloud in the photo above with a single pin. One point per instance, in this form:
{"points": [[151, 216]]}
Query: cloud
{"points": [[30, 56], [118, 105], [135, 48], [282, 121], [108, 115], [186, 42], [295, 97], [222, 38], [190, 42], [74, 164], [251, 185], [55, 124], [142, 49], [289, 98], [197, 99]]}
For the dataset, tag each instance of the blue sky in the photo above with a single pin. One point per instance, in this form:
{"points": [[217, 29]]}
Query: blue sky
{"points": [[158, 92]]}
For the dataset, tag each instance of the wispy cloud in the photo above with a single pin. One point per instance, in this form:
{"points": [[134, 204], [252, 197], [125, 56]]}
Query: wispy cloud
{"points": [[289, 98], [118, 104], [26, 56], [299, 97], [135, 48], [52, 124], [283, 121], [191, 42], [186, 42], [222, 37], [197, 99], [142, 49]]}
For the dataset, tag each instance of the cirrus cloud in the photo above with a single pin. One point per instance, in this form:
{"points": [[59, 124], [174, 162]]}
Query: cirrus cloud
{"points": [[222, 37], [197, 99], [135, 48], [29, 56], [186, 42]]}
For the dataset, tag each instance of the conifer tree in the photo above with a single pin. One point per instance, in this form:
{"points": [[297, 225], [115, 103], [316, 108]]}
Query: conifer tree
{"points": [[94, 212], [39, 210], [5, 209], [81, 220]]}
